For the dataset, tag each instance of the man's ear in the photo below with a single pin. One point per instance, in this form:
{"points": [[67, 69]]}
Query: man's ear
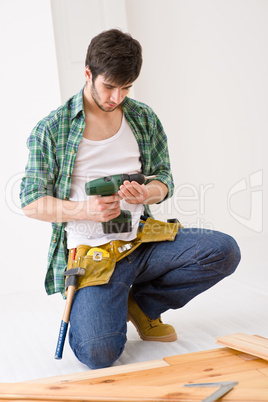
{"points": [[88, 74]]}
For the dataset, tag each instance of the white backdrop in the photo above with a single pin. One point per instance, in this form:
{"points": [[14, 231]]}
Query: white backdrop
{"points": [[204, 73], [29, 91]]}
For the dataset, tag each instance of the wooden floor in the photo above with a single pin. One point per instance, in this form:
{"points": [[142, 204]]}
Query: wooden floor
{"points": [[159, 380]]}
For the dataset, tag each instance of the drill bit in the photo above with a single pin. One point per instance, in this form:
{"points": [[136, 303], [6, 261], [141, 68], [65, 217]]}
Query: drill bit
{"points": [[151, 177]]}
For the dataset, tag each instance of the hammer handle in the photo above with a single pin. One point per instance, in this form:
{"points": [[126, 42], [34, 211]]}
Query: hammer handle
{"points": [[64, 322], [61, 339]]}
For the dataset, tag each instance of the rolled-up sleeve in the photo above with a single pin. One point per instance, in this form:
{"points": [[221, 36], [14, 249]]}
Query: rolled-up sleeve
{"points": [[38, 180], [160, 161]]}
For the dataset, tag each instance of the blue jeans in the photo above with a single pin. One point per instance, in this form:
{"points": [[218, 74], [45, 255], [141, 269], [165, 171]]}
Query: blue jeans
{"points": [[164, 275]]}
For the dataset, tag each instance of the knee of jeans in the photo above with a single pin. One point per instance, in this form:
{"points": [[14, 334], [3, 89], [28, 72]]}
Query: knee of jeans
{"points": [[234, 254], [220, 252], [231, 253], [100, 352]]}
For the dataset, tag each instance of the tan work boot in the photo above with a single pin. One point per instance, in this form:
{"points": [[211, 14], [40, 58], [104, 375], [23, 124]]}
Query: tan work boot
{"points": [[148, 329]]}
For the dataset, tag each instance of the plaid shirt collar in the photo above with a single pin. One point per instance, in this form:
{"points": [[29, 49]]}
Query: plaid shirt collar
{"points": [[77, 105]]}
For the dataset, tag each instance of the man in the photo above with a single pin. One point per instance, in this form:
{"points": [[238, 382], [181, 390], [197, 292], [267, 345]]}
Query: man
{"points": [[101, 132]]}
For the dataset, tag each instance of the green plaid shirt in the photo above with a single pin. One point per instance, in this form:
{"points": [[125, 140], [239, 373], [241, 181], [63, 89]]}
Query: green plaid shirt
{"points": [[53, 146]]}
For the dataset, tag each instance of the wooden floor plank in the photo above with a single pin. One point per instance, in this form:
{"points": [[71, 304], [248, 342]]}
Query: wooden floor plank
{"points": [[206, 372], [108, 393], [264, 371], [102, 392], [159, 380], [246, 395], [247, 379], [139, 368], [90, 374], [252, 344], [200, 356]]}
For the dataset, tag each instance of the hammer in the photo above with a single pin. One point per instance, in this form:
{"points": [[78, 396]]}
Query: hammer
{"points": [[71, 284]]}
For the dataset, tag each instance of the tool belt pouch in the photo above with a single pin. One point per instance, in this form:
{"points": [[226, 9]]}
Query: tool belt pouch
{"points": [[151, 230], [155, 231], [99, 264]]}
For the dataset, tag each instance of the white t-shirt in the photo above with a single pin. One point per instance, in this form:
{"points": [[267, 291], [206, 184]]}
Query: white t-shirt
{"points": [[115, 155]]}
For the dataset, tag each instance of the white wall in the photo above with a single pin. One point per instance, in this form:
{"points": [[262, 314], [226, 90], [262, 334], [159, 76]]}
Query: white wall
{"points": [[75, 23], [29, 91], [204, 73]]}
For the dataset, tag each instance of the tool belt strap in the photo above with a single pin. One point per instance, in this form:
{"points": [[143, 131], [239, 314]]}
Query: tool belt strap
{"points": [[100, 261]]}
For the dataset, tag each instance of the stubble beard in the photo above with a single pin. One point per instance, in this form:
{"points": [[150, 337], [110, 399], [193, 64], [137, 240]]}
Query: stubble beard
{"points": [[95, 96]]}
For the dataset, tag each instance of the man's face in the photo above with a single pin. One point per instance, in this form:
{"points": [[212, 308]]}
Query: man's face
{"points": [[107, 95]]}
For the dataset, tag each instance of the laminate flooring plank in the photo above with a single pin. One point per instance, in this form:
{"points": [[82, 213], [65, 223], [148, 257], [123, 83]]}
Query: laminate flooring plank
{"points": [[87, 375], [202, 355], [251, 344], [102, 393], [246, 395], [185, 373], [264, 371]]}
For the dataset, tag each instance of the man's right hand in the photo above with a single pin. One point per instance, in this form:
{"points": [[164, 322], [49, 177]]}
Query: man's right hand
{"points": [[102, 209]]}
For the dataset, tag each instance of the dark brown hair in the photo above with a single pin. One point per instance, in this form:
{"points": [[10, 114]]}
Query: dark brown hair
{"points": [[116, 55]]}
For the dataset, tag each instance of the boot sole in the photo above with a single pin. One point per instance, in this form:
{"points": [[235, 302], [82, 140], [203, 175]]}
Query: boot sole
{"points": [[165, 338]]}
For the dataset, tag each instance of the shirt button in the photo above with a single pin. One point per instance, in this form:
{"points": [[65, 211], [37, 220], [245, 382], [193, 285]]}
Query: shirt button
{"points": [[73, 151], [54, 240], [80, 129], [66, 198], [68, 175]]}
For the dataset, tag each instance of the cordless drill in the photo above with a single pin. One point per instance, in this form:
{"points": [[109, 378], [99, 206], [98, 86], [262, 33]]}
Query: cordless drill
{"points": [[110, 185]]}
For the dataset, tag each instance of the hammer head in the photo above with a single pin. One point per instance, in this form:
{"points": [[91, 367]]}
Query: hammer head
{"points": [[73, 275], [78, 271]]}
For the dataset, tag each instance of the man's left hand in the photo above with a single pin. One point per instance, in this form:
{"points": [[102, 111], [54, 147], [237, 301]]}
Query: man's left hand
{"points": [[133, 192]]}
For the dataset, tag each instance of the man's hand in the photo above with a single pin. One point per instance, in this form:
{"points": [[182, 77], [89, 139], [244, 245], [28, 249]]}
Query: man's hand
{"points": [[135, 193], [103, 209]]}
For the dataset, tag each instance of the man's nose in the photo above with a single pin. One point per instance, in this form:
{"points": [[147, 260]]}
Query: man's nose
{"points": [[116, 95]]}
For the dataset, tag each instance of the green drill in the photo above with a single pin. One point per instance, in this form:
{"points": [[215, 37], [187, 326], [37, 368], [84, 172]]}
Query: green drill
{"points": [[110, 185]]}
